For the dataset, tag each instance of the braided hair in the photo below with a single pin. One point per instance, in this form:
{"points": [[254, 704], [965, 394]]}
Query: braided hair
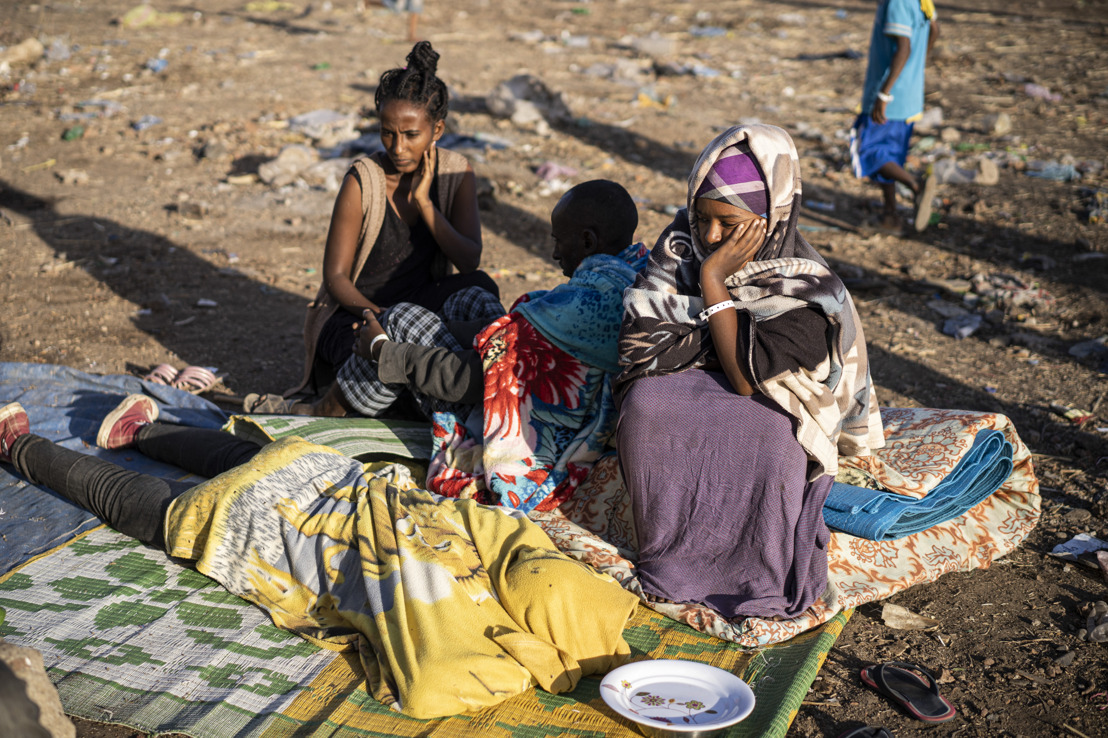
{"points": [[415, 83]]}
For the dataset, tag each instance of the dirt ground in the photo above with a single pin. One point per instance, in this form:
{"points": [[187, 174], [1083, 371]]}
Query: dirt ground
{"points": [[114, 239]]}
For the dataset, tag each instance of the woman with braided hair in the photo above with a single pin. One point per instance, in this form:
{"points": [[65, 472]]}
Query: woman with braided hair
{"points": [[405, 218]]}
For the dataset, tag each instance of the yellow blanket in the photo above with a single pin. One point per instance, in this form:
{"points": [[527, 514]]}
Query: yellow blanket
{"points": [[453, 606]]}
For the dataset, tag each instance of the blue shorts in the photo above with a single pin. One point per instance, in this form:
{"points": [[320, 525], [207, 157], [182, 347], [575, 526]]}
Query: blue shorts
{"points": [[873, 146]]}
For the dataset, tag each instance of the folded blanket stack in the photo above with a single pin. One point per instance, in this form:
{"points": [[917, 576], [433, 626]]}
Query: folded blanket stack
{"points": [[880, 516]]}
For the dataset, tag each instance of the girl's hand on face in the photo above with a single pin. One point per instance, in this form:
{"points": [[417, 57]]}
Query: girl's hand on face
{"points": [[737, 249], [421, 192]]}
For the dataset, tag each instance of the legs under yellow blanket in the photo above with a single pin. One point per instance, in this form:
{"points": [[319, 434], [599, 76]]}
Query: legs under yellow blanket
{"points": [[453, 606]]}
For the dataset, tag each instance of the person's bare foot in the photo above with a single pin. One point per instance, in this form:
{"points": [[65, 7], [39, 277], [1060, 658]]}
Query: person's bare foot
{"points": [[331, 405], [890, 224]]}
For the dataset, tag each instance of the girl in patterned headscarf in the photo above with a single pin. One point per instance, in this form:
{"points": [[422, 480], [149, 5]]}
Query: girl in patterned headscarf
{"points": [[743, 377]]}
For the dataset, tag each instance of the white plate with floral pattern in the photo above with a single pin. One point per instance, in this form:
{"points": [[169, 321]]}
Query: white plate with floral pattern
{"points": [[677, 695]]}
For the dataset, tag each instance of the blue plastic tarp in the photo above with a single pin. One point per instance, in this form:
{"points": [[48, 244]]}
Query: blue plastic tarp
{"points": [[66, 406]]}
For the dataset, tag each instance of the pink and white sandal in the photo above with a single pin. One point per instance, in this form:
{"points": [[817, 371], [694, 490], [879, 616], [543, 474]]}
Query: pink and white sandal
{"points": [[162, 374], [195, 379]]}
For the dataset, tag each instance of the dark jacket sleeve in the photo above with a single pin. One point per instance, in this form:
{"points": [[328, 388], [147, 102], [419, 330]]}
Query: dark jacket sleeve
{"points": [[785, 344], [433, 371]]}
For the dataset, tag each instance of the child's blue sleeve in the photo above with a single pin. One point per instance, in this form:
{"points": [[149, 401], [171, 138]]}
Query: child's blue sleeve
{"points": [[901, 17]]}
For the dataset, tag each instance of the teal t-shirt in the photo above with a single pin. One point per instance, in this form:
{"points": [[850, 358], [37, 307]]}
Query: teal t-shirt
{"points": [[903, 19]]}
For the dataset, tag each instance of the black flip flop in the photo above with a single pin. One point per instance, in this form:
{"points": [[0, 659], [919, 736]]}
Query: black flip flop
{"points": [[899, 682]]}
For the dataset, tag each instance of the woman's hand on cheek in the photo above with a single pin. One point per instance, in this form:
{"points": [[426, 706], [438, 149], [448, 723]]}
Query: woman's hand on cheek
{"points": [[421, 192], [737, 249]]}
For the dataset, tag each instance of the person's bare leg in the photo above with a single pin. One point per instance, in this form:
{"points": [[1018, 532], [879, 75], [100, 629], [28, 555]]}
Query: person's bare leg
{"points": [[413, 25], [892, 170], [890, 221]]}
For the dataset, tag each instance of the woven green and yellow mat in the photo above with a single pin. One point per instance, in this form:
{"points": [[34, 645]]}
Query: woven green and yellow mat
{"points": [[131, 637]]}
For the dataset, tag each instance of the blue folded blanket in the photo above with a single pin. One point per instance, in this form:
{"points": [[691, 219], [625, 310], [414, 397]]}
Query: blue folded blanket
{"points": [[883, 516]]}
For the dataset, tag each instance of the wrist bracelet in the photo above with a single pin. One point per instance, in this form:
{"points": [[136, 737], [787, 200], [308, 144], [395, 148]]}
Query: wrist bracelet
{"points": [[719, 306], [884, 96], [373, 344]]}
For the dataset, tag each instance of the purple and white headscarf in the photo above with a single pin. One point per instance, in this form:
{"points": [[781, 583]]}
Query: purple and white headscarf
{"points": [[736, 179]]}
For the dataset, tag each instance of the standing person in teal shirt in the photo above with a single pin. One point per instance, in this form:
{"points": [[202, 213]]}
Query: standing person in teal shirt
{"points": [[892, 99]]}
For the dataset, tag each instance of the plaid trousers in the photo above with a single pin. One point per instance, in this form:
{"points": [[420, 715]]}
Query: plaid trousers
{"points": [[409, 323]]}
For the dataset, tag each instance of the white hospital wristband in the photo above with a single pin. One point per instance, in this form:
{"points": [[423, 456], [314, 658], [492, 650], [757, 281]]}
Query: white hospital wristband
{"points": [[719, 306], [373, 343]]}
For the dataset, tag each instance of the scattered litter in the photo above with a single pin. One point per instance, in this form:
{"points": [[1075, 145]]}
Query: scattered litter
{"points": [[1098, 205], [1053, 170], [1072, 414], [554, 186], [707, 31], [481, 141], [998, 124], [72, 176], [41, 165], [649, 98], [1007, 293], [73, 133], [550, 170], [947, 309], [793, 19], [654, 45], [574, 41], [204, 302], [25, 52], [901, 618], [963, 326], [157, 66], [288, 165], [990, 389], [94, 109], [143, 15], [268, 6], [1097, 347], [58, 51], [953, 286], [146, 121], [827, 207], [327, 128], [320, 66], [947, 171], [326, 175], [1041, 93], [193, 210], [528, 37], [528, 102], [931, 120], [1075, 548]]}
